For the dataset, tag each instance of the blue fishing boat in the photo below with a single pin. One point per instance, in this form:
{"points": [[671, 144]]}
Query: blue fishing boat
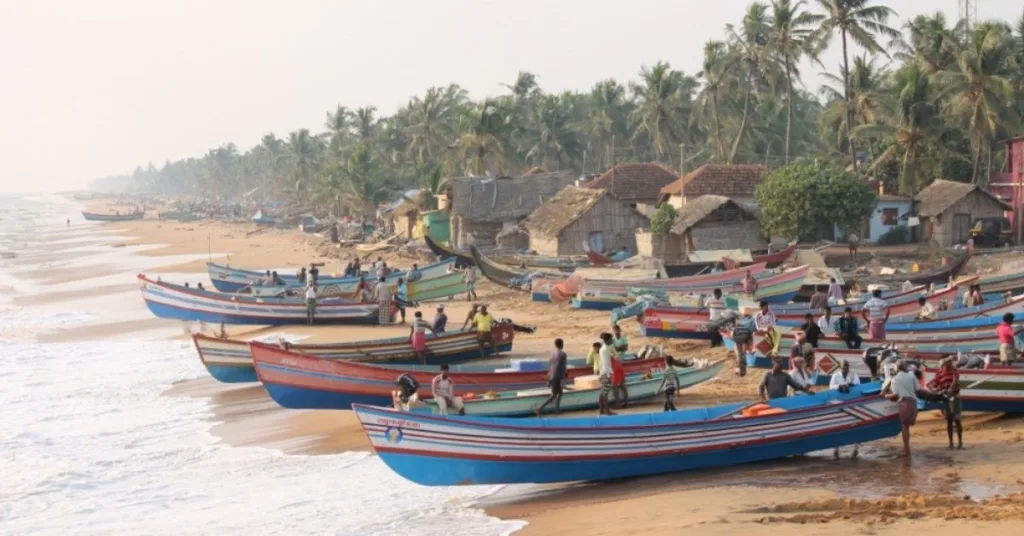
{"points": [[436, 450], [175, 302], [228, 279]]}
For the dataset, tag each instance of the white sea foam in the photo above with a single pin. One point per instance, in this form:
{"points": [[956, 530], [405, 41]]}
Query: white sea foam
{"points": [[91, 445]]}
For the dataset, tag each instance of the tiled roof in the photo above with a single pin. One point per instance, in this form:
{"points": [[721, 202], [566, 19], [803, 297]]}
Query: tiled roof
{"points": [[635, 181], [719, 179], [942, 194]]}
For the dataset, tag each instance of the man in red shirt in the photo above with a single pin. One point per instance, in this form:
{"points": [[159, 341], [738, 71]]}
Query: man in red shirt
{"points": [[1005, 333]]}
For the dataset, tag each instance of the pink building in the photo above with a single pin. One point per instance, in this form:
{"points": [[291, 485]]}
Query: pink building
{"points": [[1008, 185]]}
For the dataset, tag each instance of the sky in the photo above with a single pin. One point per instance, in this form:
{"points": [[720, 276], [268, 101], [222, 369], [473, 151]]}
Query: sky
{"points": [[94, 88]]}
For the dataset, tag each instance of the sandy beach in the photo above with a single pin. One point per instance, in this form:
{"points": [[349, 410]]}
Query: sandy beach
{"points": [[940, 491]]}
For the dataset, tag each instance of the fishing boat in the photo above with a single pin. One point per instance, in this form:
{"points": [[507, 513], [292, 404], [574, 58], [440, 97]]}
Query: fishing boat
{"points": [[94, 216], [300, 381], [508, 277], [987, 315], [519, 403], [437, 450], [442, 286], [511, 258], [994, 287], [228, 279], [230, 360], [936, 276], [175, 302], [997, 389]]}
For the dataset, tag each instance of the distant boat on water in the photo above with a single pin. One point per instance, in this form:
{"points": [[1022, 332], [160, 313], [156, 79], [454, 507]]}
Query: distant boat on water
{"points": [[93, 216]]}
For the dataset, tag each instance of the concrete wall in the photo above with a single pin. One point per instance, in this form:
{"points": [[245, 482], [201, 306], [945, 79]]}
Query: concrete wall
{"points": [[876, 227]]}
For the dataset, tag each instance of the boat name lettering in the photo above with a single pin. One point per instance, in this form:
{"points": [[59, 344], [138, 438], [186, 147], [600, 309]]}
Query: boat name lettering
{"points": [[397, 423]]}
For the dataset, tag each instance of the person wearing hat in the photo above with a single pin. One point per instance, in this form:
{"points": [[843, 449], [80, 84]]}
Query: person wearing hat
{"points": [[440, 320]]}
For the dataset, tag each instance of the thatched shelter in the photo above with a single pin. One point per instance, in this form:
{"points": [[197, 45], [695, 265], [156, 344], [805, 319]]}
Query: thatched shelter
{"points": [[708, 222], [577, 218], [948, 208]]}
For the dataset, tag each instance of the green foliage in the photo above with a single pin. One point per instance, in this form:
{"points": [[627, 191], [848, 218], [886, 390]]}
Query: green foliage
{"points": [[807, 198], [897, 235], [663, 219]]}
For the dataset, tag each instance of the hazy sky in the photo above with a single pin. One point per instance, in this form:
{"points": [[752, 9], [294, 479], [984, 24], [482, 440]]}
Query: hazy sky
{"points": [[95, 87]]}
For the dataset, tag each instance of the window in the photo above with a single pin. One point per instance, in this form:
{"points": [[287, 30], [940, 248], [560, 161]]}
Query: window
{"points": [[890, 216]]}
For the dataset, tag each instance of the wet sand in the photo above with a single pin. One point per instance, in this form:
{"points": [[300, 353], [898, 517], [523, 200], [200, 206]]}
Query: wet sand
{"points": [[876, 494]]}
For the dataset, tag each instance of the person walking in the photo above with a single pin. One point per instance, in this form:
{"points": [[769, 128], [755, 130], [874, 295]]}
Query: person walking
{"points": [[556, 376], [605, 373], [903, 390], [470, 280], [853, 241], [382, 293], [947, 383], [669, 383], [310, 305]]}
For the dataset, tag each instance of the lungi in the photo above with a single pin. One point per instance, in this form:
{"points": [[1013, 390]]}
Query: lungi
{"points": [[384, 312], [419, 342], [876, 329], [1005, 352], [908, 411]]}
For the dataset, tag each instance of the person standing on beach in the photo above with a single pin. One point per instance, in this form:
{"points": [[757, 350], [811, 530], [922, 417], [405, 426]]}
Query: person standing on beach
{"points": [[471, 315], [556, 376], [594, 357], [1004, 331], [470, 280], [876, 314], [619, 341], [947, 383], [402, 299], [841, 381], [314, 273], [903, 390], [835, 292], [382, 292], [777, 382], [484, 322], [443, 389], [310, 305], [605, 373], [440, 320], [854, 243], [669, 383], [418, 337]]}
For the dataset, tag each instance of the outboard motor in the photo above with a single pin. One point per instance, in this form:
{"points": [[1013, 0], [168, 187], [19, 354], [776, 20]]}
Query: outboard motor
{"points": [[879, 355]]}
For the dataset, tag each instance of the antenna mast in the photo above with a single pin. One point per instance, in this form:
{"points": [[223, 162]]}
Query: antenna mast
{"points": [[967, 11]]}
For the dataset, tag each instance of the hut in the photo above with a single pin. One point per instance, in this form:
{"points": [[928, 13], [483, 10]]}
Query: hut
{"points": [[948, 208], [637, 184], [578, 218], [483, 207], [737, 182], [708, 222]]}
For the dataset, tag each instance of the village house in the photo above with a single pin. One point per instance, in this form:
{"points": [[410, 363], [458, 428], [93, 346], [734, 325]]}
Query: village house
{"points": [[948, 208], [483, 207], [891, 211], [737, 182], [707, 222], [637, 184], [1008, 185], [580, 217]]}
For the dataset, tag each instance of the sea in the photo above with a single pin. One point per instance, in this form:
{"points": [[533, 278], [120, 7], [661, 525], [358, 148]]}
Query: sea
{"points": [[91, 443]]}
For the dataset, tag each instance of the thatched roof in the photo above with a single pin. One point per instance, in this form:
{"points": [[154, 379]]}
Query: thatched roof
{"points": [[493, 199], [564, 208], [942, 194], [697, 209]]}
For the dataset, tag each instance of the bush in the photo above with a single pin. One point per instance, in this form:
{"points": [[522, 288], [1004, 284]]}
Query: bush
{"points": [[663, 219], [897, 235]]}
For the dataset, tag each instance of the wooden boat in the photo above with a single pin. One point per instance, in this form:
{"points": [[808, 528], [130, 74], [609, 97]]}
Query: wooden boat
{"points": [[94, 216], [994, 287], [988, 315], [526, 403], [511, 258], [777, 288], [442, 286], [436, 450], [301, 381], [997, 389], [503, 275], [937, 276], [181, 303], [228, 279]]}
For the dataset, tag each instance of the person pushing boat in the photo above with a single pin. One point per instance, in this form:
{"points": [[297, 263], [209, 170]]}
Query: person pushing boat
{"points": [[777, 382], [484, 323], [440, 320], [418, 336]]}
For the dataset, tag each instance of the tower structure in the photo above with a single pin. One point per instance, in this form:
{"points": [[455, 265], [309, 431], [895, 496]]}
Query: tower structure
{"points": [[967, 10]]}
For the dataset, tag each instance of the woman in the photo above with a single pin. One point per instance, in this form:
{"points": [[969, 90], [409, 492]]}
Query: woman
{"points": [[418, 336]]}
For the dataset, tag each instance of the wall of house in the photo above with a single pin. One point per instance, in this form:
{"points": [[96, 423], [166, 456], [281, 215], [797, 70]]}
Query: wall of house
{"points": [[616, 222], [474, 233], [941, 230], [514, 240], [669, 248], [876, 225], [727, 235]]}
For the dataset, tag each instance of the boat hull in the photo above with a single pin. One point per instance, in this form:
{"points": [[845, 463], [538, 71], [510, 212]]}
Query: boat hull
{"points": [[228, 279], [92, 216]]}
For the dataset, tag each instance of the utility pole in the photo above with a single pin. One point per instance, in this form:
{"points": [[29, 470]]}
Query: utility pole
{"points": [[682, 159], [613, 163], [967, 11]]}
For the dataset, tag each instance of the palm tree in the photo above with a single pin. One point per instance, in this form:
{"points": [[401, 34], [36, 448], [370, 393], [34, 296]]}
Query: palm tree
{"points": [[791, 39], [751, 42], [484, 141], [365, 122], [979, 87], [432, 120], [338, 124], [714, 72], [657, 112], [302, 153], [856, 20], [932, 44], [607, 114], [557, 141], [865, 98]]}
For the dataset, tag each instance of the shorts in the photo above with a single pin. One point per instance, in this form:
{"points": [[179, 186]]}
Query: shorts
{"points": [[556, 387], [483, 336], [1005, 352], [953, 408], [443, 404], [908, 411], [470, 286], [606, 383], [310, 304]]}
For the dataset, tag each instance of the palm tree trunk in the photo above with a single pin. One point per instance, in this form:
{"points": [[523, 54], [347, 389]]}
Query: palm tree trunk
{"points": [[789, 109], [718, 127], [743, 122], [849, 106]]}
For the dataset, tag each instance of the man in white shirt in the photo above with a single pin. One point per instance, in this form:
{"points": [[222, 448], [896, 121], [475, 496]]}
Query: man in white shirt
{"points": [[715, 305], [443, 389], [605, 372], [903, 390], [841, 381], [927, 311], [826, 323], [765, 320], [310, 304]]}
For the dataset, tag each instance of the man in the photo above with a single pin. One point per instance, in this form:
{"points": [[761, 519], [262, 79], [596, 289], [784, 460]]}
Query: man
{"points": [[854, 242], [605, 373], [743, 337], [903, 390], [669, 383], [418, 337], [334, 233], [619, 341], [835, 292], [382, 293], [841, 381], [470, 280], [470, 315], [848, 328], [907, 286], [415, 274], [715, 305], [1006, 342], [402, 298], [825, 323], [301, 275], [440, 320], [777, 382], [876, 314], [749, 284], [812, 332], [926, 311], [484, 322], [267, 280], [556, 376], [947, 383], [310, 305], [765, 319], [314, 273], [594, 357], [350, 270], [383, 270], [819, 300], [69, 223], [406, 394], [443, 389]]}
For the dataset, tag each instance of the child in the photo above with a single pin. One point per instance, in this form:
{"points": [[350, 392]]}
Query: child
{"points": [[953, 410], [669, 384], [619, 380]]}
